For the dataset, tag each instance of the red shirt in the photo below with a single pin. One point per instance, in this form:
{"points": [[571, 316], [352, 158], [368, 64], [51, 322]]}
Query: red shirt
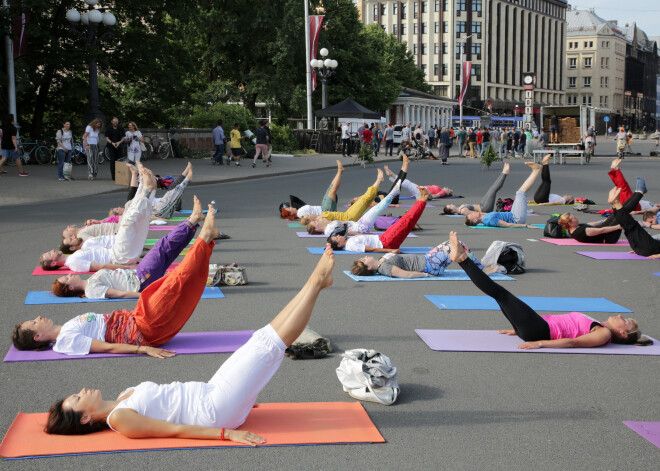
{"points": [[366, 136], [479, 137]]}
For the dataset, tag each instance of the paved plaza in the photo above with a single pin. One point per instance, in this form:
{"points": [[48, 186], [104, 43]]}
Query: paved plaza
{"points": [[456, 411]]}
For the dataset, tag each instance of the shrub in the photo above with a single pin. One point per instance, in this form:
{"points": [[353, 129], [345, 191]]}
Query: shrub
{"points": [[490, 156], [282, 138], [207, 117]]}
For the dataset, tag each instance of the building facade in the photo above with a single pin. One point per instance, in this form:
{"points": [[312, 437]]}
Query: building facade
{"points": [[640, 95], [502, 38]]}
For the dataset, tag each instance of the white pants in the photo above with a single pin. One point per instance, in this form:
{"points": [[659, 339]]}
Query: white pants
{"points": [[241, 378], [133, 229], [134, 156], [410, 186]]}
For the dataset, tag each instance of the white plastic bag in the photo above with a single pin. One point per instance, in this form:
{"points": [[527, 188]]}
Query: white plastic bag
{"points": [[368, 375]]}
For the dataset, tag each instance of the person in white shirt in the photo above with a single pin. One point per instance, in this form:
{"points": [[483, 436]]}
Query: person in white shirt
{"points": [[129, 241], [64, 139], [199, 410], [346, 140], [329, 202], [72, 235], [134, 142], [91, 141]]}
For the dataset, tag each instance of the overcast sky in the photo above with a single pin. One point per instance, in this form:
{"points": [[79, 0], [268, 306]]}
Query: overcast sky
{"points": [[646, 13]]}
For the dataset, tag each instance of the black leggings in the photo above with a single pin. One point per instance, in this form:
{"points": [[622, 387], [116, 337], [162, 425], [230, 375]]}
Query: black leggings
{"points": [[401, 176], [640, 240], [629, 206], [528, 325], [542, 194]]}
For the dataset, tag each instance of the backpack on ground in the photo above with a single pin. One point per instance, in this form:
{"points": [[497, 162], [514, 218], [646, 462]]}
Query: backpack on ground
{"points": [[553, 230], [503, 205], [368, 375]]}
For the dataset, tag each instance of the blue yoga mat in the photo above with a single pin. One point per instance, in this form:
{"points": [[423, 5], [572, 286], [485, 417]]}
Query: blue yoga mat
{"points": [[481, 226], [448, 275], [538, 303], [320, 250], [454, 215], [47, 297], [189, 211]]}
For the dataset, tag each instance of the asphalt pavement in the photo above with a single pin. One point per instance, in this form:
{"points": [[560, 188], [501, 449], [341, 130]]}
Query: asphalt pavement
{"points": [[495, 411]]}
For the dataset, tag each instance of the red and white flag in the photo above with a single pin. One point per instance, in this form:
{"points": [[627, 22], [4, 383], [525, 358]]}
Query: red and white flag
{"points": [[19, 31], [315, 23], [467, 70]]}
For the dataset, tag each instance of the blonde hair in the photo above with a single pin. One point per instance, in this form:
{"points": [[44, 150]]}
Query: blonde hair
{"points": [[96, 122], [311, 229], [564, 220], [304, 221], [634, 337], [134, 125]]}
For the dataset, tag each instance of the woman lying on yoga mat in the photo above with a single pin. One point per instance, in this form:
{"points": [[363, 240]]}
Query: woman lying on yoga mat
{"points": [[388, 241], [211, 410], [487, 203], [355, 211], [549, 331], [640, 241], [543, 197], [328, 203], [128, 283], [433, 263], [364, 225], [435, 190], [162, 310], [518, 215]]}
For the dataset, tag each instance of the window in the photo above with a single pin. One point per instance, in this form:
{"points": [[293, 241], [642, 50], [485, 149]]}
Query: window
{"points": [[604, 82], [587, 62], [436, 27], [458, 72], [424, 28], [586, 100], [460, 5], [591, 44], [395, 29], [424, 68], [445, 48], [425, 7], [404, 11], [476, 50], [424, 48], [436, 7], [441, 90], [585, 43], [476, 6], [604, 62], [384, 28], [445, 5], [395, 8], [571, 99], [460, 28], [587, 82], [415, 48], [603, 100], [436, 49], [458, 51], [476, 71], [572, 82], [383, 9], [436, 69], [415, 10], [415, 27], [476, 29], [375, 10], [445, 69], [572, 63], [403, 28]]}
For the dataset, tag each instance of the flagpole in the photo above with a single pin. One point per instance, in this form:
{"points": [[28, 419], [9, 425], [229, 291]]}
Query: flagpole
{"points": [[11, 86], [308, 72]]}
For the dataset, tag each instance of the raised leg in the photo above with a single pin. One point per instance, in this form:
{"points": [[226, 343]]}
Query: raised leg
{"points": [[542, 194], [368, 219], [640, 240], [488, 201], [393, 237]]}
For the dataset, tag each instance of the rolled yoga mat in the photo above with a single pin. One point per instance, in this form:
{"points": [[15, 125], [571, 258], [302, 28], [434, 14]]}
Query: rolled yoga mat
{"points": [[307, 235], [491, 341], [482, 226], [187, 343], [571, 242], [614, 256], [38, 271], [47, 297], [320, 250], [538, 303], [281, 424], [448, 275], [648, 430]]}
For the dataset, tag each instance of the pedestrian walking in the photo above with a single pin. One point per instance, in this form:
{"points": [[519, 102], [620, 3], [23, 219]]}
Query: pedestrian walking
{"points": [[262, 144], [64, 138], [235, 145], [219, 143], [389, 139], [377, 138], [10, 146]]}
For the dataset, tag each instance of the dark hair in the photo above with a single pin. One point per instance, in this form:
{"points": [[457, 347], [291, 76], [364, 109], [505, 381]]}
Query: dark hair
{"points": [[262, 122], [67, 422], [447, 210], [23, 339], [237, 124], [311, 229], [67, 248], [647, 214], [359, 268], [220, 122], [63, 291], [10, 118], [333, 244], [47, 264], [468, 222]]}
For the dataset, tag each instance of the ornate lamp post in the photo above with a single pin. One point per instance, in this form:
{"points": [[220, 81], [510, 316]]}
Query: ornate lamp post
{"points": [[92, 18], [324, 68]]}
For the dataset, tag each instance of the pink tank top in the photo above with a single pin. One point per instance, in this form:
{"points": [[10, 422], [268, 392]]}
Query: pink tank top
{"points": [[436, 190], [568, 326]]}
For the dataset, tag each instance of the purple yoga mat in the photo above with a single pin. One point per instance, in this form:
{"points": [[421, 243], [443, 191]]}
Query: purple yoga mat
{"points": [[183, 344], [614, 256], [622, 243], [307, 235], [491, 341], [648, 430]]}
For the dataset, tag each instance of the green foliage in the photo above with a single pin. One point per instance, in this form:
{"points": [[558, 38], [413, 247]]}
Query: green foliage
{"points": [[366, 154], [283, 138], [490, 156], [208, 116]]}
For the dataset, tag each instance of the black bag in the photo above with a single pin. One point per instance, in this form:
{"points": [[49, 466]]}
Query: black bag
{"points": [[503, 205], [552, 228], [509, 260]]}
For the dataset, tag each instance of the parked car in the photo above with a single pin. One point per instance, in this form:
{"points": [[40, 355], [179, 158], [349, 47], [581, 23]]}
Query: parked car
{"points": [[397, 133]]}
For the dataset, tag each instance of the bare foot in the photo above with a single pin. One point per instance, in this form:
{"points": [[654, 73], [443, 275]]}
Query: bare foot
{"points": [[456, 250], [190, 172], [425, 194], [188, 168], [148, 179], [209, 231], [197, 213], [613, 197], [340, 167], [615, 164], [505, 169], [388, 172], [322, 274], [406, 161], [534, 166], [381, 177], [131, 167], [546, 159]]}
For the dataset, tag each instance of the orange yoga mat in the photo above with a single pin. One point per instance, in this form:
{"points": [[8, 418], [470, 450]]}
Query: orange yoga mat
{"points": [[281, 424]]}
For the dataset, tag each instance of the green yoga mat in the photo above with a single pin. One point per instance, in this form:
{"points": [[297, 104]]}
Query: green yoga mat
{"points": [[152, 242], [177, 219], [295, 224]]}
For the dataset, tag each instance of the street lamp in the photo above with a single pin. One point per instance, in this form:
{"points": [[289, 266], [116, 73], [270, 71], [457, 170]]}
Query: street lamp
{"points": [[460, 105], [92, 18], [324, 68]]}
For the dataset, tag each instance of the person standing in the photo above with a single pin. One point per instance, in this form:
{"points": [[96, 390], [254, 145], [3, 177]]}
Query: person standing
{"points": [[431, 136], [114, 136], [262, 145], [485, 140], [419, 135], [10, 146], [480, 142], [235, 145], [91, 141], [270, 141], [346, 140], [366, 136], [472, 142], [219, 143], [134, 141], [462, 137], [516, 141], [444, 143], [504, 138], [406, 134], [389, 139], [362, 127], [64, 139], [554, 129], [609, 131], [377, 138], [543, 139]]}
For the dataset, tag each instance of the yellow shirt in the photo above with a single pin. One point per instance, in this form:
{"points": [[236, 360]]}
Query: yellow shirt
{"points": [[235, 136]]}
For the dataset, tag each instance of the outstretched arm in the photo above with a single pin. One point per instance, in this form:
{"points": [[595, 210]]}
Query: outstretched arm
{"points": [[513, 224], [596, 338], [134, 425], [379, 250], [594, 231], [118, 294], [99, 346], [401, 273]]}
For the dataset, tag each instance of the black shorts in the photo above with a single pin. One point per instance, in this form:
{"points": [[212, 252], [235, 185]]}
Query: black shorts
{"points": [[554, 129], [236, 152]]}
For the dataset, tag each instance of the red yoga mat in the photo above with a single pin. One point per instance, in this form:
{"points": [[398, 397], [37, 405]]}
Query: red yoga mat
{"points": [[307, 423]]}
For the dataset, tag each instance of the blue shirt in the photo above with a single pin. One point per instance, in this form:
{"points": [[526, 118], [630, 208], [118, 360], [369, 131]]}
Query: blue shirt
{"points": [[218, 135], [493, 219]]}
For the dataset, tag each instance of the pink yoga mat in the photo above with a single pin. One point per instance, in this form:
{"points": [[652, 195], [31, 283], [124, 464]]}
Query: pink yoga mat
{"points": [[621, 243], [306, 235], [400, 206], [183, 344], [162, 228], [648, 430], [614, 256], [61, 271], [491, 341]]}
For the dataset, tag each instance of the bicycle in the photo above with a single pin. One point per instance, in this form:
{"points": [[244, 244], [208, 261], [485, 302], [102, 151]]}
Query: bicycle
{"points": [[79, 156], [156, 147], [589, 147], [42, 154]]}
